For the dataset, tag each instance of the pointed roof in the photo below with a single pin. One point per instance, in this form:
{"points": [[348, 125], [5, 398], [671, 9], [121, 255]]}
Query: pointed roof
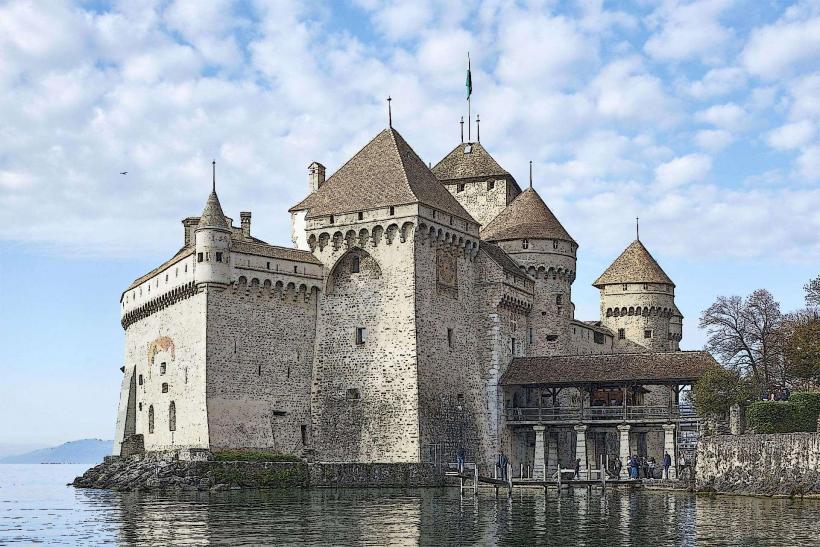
{"points": [[527, 217], [385, 172], [468, 160], [212, 215], [635, 265]]}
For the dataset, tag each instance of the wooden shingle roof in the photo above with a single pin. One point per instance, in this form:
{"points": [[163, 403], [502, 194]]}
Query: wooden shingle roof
{"points": [[634, 265], [468, 160], [212, 216], [385, 172], [527, 217], [641, 368]]}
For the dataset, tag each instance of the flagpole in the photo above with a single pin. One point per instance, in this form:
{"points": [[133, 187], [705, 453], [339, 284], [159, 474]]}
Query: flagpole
{"points": [[469, 118]]}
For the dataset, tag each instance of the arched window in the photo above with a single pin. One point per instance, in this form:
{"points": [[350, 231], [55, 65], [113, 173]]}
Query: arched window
{"points": [[172, 416], [355, 264], [151, 419]]}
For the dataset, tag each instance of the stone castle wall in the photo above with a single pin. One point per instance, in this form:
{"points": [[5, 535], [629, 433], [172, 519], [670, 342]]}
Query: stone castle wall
{"points": [[648, 307], [174, 336], [260, 357], [484, 199]]}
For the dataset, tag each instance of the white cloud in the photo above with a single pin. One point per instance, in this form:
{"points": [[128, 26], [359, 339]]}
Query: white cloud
{"points": [[727, 116], [791, 135], [713, 140], [687, 30], [624, 90], [776, 50], [683, 170], [808, 165], [718, 82]]}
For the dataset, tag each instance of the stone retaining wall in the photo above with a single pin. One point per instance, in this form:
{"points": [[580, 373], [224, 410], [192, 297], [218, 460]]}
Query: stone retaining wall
{"points": [[382, 475], [778, 464]]}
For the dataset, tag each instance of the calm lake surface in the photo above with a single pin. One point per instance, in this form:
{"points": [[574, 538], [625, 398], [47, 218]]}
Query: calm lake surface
{"points": [[37, 507]]}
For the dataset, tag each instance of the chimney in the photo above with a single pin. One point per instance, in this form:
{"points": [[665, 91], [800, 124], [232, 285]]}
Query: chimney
{"points": [[316, 176], [190, 225], [245, 217]]}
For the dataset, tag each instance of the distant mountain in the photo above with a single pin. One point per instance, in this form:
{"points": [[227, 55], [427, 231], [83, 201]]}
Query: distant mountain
{"points": [[11, 449], [82, 451]]}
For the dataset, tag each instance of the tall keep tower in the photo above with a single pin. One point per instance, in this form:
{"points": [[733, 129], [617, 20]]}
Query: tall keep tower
{"points": [[638, 303], [531, 234]]}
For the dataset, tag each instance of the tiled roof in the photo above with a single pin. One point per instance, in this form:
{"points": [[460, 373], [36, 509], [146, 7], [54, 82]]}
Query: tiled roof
{"points": [[501, 258], [180, 255], [467, 161], [672, 367], [385, 172], [527, 217], [635, 265], [274, 251], [212, 216], [595, 325]]}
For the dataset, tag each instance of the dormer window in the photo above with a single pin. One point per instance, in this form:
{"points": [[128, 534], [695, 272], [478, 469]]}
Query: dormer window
{"points": [[525, 243], [490, 184], [460, 188]]}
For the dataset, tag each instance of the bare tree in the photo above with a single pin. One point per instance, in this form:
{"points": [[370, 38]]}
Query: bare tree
{"points": [[812, 289], [745, 335]]}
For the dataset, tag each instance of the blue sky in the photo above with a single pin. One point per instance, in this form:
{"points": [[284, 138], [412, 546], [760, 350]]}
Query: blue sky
{"points": [[702, 118]]}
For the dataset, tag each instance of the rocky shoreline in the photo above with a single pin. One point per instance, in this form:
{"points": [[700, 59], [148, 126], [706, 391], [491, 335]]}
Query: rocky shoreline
{"points": [[166, 472]]}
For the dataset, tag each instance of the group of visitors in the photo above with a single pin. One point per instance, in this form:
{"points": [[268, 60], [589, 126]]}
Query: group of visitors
{"points": [[779, 395], [642, 468]]}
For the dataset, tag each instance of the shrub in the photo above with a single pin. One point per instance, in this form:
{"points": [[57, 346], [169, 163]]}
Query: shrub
{"points": [[718, 389], [772, 416], [253, 456], [807, 409]]}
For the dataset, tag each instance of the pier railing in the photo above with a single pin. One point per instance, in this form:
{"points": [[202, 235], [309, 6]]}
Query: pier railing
{"points": [[610, 413]]}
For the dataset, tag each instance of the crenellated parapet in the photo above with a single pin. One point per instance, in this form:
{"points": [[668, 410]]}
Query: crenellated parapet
{"points": [[549, 272], [281, 290], [158, 303]]}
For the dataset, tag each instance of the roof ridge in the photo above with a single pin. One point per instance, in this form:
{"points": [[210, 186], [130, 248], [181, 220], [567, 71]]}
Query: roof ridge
{"points": [[404, 167]]}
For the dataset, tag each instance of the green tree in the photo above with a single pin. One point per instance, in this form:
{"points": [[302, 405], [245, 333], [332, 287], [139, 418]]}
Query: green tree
{"points": [[718, 389], [812, 289], [801, 348]]}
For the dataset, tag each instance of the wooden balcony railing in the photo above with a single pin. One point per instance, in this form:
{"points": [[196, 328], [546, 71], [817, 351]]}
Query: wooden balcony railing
{"points": [[611, 413]]}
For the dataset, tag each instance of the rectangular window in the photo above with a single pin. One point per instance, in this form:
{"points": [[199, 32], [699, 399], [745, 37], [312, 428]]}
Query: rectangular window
{"points": [[199, 257], [598, 337], [332, 219], [296, 269], [513, 346], [361, 335], [647, 333], [352, 394], [355, 264], [459, 188], [162, 368], [392, 210], [219, 257], [621, 334], [490, 184], [450, 337], [529, 336], [268, 265], [304, 435], [361, 216], [626, 286], [165, 388], [552, 337]]}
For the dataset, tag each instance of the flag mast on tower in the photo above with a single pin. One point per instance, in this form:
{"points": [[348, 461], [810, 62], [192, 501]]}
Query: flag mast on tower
{"points": [[469, 84]]}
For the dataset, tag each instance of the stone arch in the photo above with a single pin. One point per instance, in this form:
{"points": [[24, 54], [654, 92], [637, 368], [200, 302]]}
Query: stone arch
{"points": [[369, 268], [406, 230], [337, 240], [255, 282], [266, 284], [609, 312], [364, 234], [312, 242], [324, 238], [631, 311], [242, 280], [377, 234], [623, 311], [390, 233]]}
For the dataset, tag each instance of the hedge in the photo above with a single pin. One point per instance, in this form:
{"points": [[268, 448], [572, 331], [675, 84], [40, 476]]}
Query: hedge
{"points": [[253, 456], [798, 414]]}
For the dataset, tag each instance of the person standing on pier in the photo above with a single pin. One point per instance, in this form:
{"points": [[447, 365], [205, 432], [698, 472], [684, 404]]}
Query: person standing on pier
{"points": [[460, 460], [577, 469], [502, 463], [617, 468], [667, 463]]}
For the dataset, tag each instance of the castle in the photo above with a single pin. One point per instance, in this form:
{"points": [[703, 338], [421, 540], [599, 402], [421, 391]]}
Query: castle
{"points": [[421, 311]]}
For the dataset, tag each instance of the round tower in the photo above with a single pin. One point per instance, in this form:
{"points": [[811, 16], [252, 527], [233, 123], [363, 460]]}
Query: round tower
{"points": [[213, 245], [531, 234], [638, 303]]}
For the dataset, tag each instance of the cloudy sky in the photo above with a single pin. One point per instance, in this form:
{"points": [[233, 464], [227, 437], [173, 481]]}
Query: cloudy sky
{"points": [[702, 118]]}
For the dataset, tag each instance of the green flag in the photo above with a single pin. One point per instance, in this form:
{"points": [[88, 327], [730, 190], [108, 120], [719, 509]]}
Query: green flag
{"points": [[469, 79]]}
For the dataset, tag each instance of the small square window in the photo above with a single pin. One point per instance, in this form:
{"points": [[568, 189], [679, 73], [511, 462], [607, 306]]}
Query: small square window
{"points": [[165, 388], [460, 188], [490, 184], [647, 333], [552, 337], [219, 257], [199, 257], [361, 335], [621, 334], [352, 394]]}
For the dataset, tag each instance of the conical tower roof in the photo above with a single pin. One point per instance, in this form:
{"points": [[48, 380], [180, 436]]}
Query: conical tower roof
{"points": [[212, 216], [385, 172], [527, 217], [466, 161], [635, 265]]}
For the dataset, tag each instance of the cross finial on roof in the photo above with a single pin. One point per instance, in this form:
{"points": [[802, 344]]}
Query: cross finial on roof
{"points": [[530, 173], [213, 173], [462, 129], [477, 128], [389, 112], [637, 228]]}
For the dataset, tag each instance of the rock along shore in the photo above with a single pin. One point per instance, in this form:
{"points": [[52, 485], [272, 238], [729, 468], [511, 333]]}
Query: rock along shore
{"points": [[164, 472]]}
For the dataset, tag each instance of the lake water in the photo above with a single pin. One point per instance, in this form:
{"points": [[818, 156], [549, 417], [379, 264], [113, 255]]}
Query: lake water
{"points": [[37, 507]]}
